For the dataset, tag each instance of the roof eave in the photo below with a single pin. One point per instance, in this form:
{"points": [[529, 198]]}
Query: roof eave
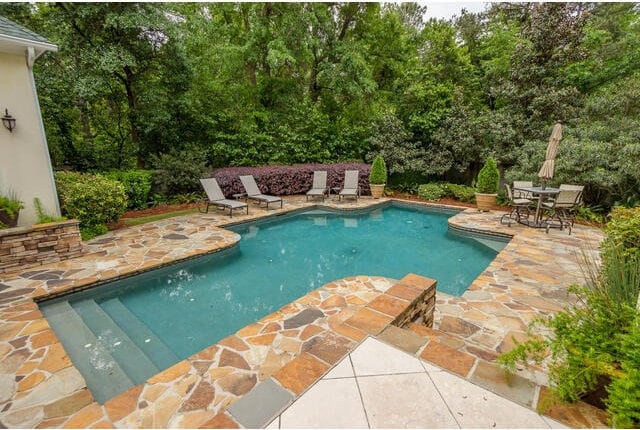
{"points": [[40, 46]]}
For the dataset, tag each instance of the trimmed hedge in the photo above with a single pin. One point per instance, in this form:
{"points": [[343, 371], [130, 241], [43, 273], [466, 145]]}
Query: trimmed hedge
{"points": [[94, 200], [432, 191], [289, 180], [137, 185]]}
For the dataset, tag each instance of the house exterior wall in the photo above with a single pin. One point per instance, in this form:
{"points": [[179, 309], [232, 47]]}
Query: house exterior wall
{"points": [[25, 166]]}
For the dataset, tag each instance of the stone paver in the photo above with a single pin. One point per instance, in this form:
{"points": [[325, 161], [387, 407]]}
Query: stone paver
{"points": [[527, 279]]}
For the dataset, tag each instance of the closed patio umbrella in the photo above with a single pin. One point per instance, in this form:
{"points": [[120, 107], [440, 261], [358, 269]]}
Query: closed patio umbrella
{"points": [[546, 171]]}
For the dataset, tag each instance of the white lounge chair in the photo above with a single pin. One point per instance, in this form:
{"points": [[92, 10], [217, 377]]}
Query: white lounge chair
{"points": [[254, 193], [319, 187], [351, 187], [216, 197]]}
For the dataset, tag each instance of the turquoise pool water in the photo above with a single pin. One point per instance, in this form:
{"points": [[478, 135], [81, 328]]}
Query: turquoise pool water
{"points": [[135, 327]]}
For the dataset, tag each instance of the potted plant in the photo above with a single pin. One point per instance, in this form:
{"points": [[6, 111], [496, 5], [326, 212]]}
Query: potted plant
{"points": [[487, 185], [9, 210], [378, 177]]}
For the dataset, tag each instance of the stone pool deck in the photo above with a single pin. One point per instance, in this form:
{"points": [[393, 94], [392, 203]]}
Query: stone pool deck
{"points": [[292, 348]]}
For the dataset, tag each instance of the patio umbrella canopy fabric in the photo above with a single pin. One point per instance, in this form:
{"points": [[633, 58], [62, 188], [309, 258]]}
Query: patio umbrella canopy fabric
{"points": [[546, 171]]}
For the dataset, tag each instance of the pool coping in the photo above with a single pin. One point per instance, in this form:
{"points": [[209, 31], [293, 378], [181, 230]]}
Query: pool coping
{"points": [[35, 329]]}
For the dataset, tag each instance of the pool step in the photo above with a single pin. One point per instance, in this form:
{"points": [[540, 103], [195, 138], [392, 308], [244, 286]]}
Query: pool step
{"points": [[140, 334], [131, 358], [104, 377]]}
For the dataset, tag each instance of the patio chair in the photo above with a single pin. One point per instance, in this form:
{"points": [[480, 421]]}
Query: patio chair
{"points": [[519, 208], [351, 187], [561, 212], [215, 197], [319, 187], [254, 193], [522, 194]]}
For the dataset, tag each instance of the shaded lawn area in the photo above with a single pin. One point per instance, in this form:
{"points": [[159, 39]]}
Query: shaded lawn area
{"points": [[137, 217]]}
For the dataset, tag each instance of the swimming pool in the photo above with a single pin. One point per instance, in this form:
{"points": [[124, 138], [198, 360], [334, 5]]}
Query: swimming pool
{"points": [[121, 333]]}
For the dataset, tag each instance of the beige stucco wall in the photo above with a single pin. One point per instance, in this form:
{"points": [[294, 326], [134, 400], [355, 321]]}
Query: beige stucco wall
{"points": [[25, 166]]}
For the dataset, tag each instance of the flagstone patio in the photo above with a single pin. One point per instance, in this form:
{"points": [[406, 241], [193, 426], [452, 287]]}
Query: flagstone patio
{"points": [[40, 387]]}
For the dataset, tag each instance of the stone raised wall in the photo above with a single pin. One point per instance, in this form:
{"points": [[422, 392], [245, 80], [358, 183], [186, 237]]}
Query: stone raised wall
{"points": [[422, 307], [25, 247]]}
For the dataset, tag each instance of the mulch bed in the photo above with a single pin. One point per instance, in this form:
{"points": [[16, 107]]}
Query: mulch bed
{"points": [[156, 210]]}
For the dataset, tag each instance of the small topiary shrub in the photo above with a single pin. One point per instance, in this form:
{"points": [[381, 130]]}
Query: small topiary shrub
{"points": [[432, 191], [94, 200], [137, 185], [488, 177], [378, 174], [463, 193]]}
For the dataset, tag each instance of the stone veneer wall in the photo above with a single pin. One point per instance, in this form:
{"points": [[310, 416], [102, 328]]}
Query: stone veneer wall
{"points": [[421, 309], [25, 247]]}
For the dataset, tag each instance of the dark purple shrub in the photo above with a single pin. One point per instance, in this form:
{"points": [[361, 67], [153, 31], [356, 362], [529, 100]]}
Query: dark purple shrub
{"points": [[288, 180]]}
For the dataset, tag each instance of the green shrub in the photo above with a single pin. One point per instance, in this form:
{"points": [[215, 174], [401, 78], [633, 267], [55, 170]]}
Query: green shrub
{"points": [[137, 185], [378, 174], [178, 173], [92, 199], [488, 177], [407, 181], [463, 193], [43, 216], [11, 205], [624, 393], [89, 232], [432, 191], [623, 231], [179, 199]]}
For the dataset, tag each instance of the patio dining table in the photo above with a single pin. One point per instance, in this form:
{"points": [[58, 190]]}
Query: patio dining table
{"points": [[542, 193]]}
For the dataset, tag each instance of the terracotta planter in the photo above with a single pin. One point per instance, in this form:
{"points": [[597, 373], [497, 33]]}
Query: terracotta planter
{"points": [[485, 202], [377, 190], [5, 219]]}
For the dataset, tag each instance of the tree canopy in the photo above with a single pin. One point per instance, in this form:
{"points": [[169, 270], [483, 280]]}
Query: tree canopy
{"points": [[234, 84]]}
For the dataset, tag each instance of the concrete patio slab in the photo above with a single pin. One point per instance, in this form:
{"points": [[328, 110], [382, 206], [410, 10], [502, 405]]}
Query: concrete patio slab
{"points": [[343, 369], [409, 400], [475, 407], [331, 403], [373, 357]]}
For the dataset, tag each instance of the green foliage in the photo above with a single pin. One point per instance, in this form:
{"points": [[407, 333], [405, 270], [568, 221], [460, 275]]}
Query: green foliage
{"points": [[396, 145], [11, 205], [463, 193], [624, 393], [137, 185], [623, 232], [43, 216], [93, 200], [590, 215], [178, 173], [90, 231], [432, 191], [488, 177], [378, 173]]}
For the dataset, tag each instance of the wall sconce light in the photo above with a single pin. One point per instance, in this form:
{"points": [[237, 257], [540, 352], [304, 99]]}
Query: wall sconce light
{"points": [[8, 121]]}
